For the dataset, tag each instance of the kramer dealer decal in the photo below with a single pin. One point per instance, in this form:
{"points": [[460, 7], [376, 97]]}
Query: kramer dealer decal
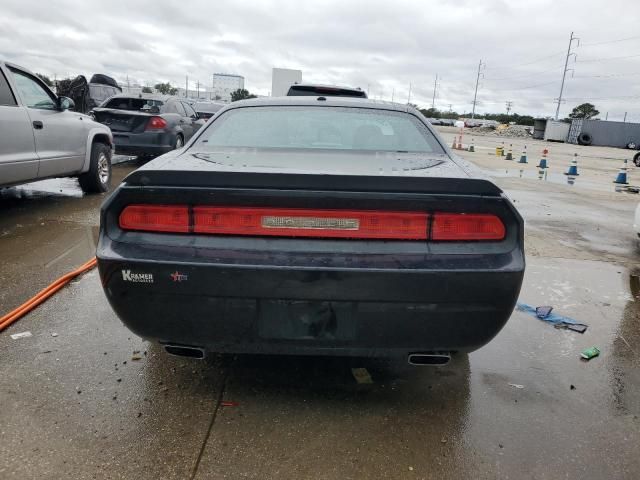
{"points": [[135, 277]]}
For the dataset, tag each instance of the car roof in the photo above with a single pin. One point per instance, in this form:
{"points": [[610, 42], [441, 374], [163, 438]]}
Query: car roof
{"points": [[14, 65], [327, 101]]}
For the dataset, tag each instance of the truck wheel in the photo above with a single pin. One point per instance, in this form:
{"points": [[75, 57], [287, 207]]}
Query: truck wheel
{"points": [[636, 159], [585, 139], [98, 178]]}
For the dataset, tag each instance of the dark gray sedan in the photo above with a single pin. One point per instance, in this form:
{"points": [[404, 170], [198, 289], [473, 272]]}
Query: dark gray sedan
{"points": [[148, 125]]}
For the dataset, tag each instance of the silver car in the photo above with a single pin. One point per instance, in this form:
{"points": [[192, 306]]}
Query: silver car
{"points": [[41, 137]]}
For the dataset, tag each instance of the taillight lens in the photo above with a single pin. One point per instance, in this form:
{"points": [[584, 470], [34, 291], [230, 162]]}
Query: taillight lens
{"points": [[155, 218], [466, 227], [293, 222], [156, 123], [310, 223]]}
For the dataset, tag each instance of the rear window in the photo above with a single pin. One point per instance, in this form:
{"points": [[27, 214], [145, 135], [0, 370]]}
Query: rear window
{"points": [[311, 90], [301, 127], [131, 103]]}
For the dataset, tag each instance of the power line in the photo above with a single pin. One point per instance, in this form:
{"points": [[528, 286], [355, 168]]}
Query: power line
{"points": [[611, 75], [603, 98], [530, 86], [610, 41], [608, 58], [525, 74], [527, 63]]}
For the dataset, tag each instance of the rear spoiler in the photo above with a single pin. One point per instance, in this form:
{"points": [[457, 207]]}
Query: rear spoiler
{"points": [[286, 181]]}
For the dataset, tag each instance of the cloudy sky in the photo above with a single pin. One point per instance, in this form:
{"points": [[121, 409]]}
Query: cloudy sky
{"points": [[380, 45]]}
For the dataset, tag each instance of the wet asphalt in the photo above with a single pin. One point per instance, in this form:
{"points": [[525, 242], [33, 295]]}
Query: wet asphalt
{"points": [[84, 398]]}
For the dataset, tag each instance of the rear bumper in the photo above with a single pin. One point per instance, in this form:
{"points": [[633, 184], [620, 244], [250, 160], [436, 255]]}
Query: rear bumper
{"points": [[242, 308], [155, 143]]}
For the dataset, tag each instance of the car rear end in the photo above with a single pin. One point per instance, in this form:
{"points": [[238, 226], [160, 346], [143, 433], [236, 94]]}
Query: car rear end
{"points": [[424, 262], [138, 128], [277, 265]]}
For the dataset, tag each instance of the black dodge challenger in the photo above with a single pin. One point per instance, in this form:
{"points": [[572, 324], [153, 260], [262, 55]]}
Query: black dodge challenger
{"points": [[312, 225]]}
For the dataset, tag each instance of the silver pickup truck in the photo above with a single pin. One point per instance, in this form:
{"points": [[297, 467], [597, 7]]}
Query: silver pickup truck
{"points": [[41, 137]]}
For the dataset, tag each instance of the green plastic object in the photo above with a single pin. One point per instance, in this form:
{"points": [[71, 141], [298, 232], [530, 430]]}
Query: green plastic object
{"points": [[590, 353]]}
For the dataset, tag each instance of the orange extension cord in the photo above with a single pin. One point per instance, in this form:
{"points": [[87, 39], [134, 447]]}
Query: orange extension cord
{"points": [[43, 295]]}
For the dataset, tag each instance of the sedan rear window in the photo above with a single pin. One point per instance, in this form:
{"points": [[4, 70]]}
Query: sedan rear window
{"points": [[301, 127], [133, 103]]}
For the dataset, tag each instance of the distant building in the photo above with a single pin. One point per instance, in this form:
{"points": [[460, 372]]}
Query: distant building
{"points": [[282, 79], [225, 83]]}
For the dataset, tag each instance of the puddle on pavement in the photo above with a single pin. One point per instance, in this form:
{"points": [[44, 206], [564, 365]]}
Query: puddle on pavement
{"points": [[47, 228], [34, 255], [59, 187], [556, 178]]}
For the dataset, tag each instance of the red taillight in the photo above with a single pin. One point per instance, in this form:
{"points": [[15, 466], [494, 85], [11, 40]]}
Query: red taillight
{"points": [[310, 223], [294, 222], [466, 226], [156, 123], [155, 218]]}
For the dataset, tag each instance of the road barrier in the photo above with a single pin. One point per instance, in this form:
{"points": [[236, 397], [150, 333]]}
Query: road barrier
{"points": [[471, 147], [523, 157], [573, 166], [543, 162], [621, 179], [510, 152]]}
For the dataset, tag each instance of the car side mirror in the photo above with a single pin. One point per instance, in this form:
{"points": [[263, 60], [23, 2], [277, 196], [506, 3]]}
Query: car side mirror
{"points": [[65, 103]]}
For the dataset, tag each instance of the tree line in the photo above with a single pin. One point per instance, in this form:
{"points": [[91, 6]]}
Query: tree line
{"points": [[585, 110]]}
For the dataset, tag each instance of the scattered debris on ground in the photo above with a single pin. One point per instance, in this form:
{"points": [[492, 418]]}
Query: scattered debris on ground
{"points": [[516, 385], [361, 375], [590, 353], [559, 321], [16, 336]]}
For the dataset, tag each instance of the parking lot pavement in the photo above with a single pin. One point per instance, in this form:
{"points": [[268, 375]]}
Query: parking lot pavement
{"points": [[524, 406]]}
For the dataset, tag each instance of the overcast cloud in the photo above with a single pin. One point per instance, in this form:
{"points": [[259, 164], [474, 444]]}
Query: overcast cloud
{"points": [[380, 45]]}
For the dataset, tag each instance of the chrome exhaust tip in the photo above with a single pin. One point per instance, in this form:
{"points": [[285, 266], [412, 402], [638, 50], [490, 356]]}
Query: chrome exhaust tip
{"points": [[185, 351], [430, 359]]}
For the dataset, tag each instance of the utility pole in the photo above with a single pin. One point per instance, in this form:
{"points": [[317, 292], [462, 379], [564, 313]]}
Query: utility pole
{"points": [[509, 104], [450, 107], [564, 72], [625, 117], [197, 89], [409, 99], [606, 117], [435, 88], [186, 88], [475, 95]]}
